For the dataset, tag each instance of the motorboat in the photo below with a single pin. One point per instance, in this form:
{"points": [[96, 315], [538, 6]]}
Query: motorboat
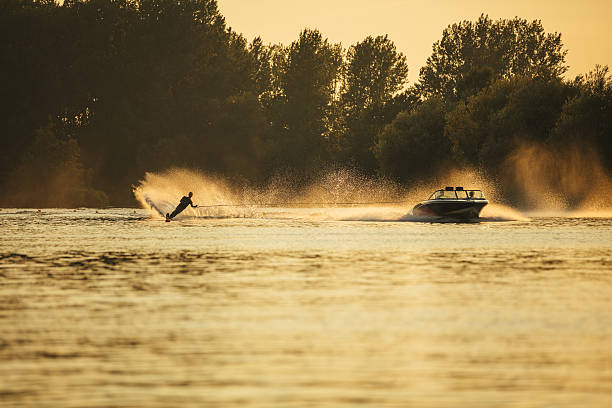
{"points": [[452, 203]]}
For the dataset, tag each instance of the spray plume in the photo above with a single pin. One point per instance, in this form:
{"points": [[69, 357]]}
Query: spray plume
{"points": [[568, 182], [337, 195], [160, 192]]}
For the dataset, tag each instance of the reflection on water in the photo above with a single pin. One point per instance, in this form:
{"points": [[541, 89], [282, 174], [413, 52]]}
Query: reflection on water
{"points": [[116, 309]]}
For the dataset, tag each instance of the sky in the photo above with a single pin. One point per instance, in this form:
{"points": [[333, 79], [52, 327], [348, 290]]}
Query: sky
{"points": [[586, 26]]}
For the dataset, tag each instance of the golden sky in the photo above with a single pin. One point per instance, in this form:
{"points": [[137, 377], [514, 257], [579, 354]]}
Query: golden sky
{"points": [[415, 25]]}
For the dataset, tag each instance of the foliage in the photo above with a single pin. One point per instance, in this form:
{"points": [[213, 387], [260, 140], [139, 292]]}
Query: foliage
{"points": [[586, 117], [485, 127], [414, 145], [97, 92], [305, 77], [375, 71], [51, 174], [471, 55]]}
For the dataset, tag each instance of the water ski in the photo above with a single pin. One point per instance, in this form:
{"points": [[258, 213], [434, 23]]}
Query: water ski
{"points": [[168, 217]]}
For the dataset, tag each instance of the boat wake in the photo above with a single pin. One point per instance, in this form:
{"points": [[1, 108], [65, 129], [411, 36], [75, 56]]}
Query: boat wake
{"points": [[152, 205], [338, 196]]}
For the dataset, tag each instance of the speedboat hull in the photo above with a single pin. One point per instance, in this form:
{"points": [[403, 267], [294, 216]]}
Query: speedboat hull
{"points": [[462, 209]]}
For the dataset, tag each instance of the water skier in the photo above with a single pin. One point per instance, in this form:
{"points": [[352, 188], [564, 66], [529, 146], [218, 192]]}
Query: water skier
{"points": [[185, 202]]}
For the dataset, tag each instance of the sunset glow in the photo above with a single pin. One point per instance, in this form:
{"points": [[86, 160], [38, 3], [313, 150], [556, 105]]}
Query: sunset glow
{"points": [[415, 25]]}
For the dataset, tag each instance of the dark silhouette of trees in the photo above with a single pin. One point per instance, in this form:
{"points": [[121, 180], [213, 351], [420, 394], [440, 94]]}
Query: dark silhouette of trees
{"points": [[587, 116], [375, 72], [485, 127], [97, 92], [51, 174], [305, 76], [137, 84], [471, 55], [414, 146]]}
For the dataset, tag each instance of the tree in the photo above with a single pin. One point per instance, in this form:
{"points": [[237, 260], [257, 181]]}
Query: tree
{"points": [[261, 56], [51, 174], [305, 76], [171, 74], [34, 67], [471, 55], [486, 127], [97, 92], [414, 145], [586, 117], [374, 73]]}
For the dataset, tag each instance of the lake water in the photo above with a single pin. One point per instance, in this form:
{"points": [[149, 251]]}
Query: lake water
{"points": [[303, 308]]}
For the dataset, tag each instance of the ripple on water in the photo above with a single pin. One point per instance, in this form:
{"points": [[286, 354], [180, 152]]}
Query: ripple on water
{"points": [[116, 310]]}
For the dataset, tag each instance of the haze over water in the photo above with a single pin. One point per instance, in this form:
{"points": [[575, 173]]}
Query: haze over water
{"points": [[303, 307]]}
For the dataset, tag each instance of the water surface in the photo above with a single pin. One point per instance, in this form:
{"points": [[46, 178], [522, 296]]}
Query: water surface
{"points": [[111, 307]]}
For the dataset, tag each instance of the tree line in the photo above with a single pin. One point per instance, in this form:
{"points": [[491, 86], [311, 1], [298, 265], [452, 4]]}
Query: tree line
{"points": [[97, 92]]}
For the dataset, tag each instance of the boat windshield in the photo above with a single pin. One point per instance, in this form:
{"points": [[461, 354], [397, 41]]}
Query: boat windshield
{"points": [[475, 195], [443, 195], [457, 194]]}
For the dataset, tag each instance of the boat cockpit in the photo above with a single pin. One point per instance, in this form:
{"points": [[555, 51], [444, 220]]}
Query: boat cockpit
{"points": [[457, 193]]}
